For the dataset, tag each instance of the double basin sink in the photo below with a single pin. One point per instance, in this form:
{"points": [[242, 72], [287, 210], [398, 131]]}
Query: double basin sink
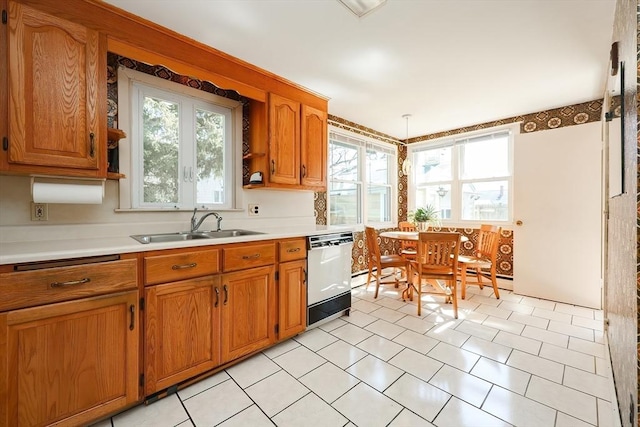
{"points": [[191, 235]]}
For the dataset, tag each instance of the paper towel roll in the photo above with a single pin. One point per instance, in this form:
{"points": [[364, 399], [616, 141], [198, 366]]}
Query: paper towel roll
{"points": [[45, 192]]}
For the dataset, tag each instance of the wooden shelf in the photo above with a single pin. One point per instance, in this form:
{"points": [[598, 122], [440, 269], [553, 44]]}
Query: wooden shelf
{"points": [[115, 134], [248, 186], [252, 155], [114, 175]]}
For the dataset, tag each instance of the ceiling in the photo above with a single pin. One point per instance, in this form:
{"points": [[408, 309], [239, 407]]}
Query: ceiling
{"points": [[448, 63]]}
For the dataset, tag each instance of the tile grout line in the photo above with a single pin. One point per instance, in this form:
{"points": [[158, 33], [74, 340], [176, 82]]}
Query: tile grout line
{"points": [[185, 408], [249, 397]]}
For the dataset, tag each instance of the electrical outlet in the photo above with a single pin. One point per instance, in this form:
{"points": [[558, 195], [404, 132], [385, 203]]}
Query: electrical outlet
{"points": [[39, 212], [254, 210]]}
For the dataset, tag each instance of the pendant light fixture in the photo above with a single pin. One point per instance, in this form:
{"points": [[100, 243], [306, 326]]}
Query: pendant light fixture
{"points": [[406, 164], [360, 8]]}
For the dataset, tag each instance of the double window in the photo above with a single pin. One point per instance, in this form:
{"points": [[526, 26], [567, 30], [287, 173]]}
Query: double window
{"points": [[362, 183], [182, 153], [466, 179]]}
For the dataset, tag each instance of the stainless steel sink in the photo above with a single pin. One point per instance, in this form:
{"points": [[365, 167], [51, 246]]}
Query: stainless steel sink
{"points": [[230, 233], [187, 235], [168, 237]]}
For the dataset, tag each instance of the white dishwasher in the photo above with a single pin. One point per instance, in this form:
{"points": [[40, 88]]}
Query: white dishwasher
{"points": [[328, 276]]}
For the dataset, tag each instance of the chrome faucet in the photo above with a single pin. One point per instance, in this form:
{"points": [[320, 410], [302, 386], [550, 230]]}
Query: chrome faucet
{"points": [[196, 223]]}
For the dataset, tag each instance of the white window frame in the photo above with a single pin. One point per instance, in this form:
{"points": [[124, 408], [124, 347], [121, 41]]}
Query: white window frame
{"points": [[456, 181], [362, 143], [130, 84]]}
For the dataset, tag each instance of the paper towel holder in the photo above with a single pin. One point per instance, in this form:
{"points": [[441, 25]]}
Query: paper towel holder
{"points": [[66, 180]]}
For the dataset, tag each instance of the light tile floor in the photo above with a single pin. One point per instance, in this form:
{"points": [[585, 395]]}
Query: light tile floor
{"points": [[514, 361]]}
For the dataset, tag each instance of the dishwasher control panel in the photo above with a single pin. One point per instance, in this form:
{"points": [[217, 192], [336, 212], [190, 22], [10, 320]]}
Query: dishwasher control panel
{"points": [[332, 239]]}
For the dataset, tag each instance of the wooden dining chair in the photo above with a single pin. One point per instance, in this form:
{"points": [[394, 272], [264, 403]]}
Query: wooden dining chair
{"points": [[408, 248], [484, 258], [378, 262], [436, 261]]}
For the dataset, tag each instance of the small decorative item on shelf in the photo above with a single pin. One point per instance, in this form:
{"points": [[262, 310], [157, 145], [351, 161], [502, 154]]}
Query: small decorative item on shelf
{"points": [[424, 217], [256, 178]]}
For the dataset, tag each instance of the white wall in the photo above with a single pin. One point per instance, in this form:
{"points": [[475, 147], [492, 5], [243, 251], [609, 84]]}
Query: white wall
{"points": [[277, 208]]}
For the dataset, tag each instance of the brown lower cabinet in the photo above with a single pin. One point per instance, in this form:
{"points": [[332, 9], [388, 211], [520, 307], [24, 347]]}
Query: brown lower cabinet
{"points": [[248, 311], [196, 324], [182, 331], [69, 363], [292, 295], [70, 356]]}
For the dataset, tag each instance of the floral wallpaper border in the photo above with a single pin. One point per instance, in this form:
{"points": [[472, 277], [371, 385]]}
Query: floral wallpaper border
{"points": [[570, 115]]}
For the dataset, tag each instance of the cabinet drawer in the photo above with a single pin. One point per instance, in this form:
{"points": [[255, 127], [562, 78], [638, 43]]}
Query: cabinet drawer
{"points": [[293, 249], [242, 257], [185, 265], [38, 287]]}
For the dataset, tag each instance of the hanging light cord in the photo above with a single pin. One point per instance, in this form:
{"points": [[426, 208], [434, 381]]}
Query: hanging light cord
{"points": [[406, 164]]}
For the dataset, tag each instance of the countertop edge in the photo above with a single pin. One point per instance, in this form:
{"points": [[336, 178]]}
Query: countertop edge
{"points": [[48, 250]]}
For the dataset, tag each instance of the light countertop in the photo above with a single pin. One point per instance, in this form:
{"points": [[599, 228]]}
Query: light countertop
{"points": [[54, 249]]}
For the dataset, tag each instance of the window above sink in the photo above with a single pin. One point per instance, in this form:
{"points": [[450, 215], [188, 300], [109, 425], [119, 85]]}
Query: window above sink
{"points": [[183, 148]]}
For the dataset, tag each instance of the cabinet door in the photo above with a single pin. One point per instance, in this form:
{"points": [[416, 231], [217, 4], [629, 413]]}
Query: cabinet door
{"points": [[292, 297], [284, 140], [248, 311], [69, 362], [54, 92], [314, 148], [181, 331]]}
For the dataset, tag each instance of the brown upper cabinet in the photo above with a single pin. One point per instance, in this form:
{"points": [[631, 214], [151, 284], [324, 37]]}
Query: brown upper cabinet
{"points": [[284, 140], [294, 155], [314, 146], [56, 94]]}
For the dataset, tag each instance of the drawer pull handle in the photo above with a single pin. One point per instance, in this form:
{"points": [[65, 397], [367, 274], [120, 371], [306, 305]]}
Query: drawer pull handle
{"points": [[217, 297], [304, 171], [226, 294], [254, 256], [183, 266], [132, 310], [304, 270], [293, 250], [70, 283], [273, 167]]}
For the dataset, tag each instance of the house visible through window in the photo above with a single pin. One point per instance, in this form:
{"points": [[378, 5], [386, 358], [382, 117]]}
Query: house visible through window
{"points": [[182, 145], [466, 179], [362, 180]]}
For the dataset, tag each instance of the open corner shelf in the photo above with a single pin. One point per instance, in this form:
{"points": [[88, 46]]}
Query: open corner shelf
{"points": [[115, 175], [248, 186], [252, 155], [115, 134]]}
